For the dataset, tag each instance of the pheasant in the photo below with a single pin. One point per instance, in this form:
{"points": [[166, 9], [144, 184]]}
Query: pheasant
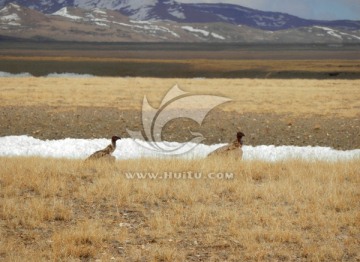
{"points": [[234, 148], [106, 152]]}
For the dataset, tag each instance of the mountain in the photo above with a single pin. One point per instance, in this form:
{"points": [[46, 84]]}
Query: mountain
{"points": [[13, 15], [187, 13], [155, 20]]}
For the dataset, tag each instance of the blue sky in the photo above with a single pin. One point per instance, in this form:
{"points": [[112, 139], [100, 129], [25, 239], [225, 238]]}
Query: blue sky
{"points": [[311, 9]]}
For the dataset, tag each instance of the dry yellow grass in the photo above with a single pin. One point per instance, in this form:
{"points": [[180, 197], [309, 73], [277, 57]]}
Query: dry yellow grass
{"points": [[300, 97], [70, 210]]}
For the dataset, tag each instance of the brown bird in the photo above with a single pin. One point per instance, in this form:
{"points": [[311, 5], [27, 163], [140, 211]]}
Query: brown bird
{"points": [[234, 149], [106, 152]]}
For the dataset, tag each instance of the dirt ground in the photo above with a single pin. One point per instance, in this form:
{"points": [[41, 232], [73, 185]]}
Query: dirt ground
{"points": [[219, 126]]}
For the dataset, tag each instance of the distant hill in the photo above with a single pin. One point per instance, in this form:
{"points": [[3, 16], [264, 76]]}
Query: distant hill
{"points": [[160, 20]]}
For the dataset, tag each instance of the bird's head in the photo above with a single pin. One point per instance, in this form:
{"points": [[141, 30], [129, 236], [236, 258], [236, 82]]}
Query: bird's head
{"points": [[239, 136], [115, 138]]}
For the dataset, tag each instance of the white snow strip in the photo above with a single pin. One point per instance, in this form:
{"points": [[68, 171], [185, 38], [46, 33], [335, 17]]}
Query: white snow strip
{"points": [[4, 10], [68, 75], [149, 27], [100, 20], [225, 17], [330, 31], [14, 24], [177, 13], [141, 13], [195, 30], [101, 24], [6, 74], [11, 146], [99, 11], [353, 36], [9, 18], [52, 75], [64, 12], [140, 22], [17, 7], [133, 4], [218, 36]]}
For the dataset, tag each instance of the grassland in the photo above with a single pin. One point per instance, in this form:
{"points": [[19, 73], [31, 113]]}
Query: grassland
{"points": [[296, 97], [65, 210]]}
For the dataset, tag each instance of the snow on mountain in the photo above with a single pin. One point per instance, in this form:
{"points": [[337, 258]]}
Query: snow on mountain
{"points": [[9, 16], [131, 5], [166, 20], [191, 29], [95, 16], [148, 27], [64, 12], [171, 10], [336, 33], [137, 9], [202, 32], [101, 17], [176, 13], [218, 36], [14, 17], [11, 19], [329, 31]]}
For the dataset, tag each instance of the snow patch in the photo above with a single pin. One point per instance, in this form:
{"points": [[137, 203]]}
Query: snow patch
{"points": [[195, 30], [101, 24], [225, 17], [141, 14], [330, 31], [137, 4], [262, 20], [69, 75], [148, 27], [52, 75], [10, 18], [127, 148], [6, 74], [14, 24], [218, 36], [177, 13], [203, 32], [15, 6], [138, 9], [140, 22], [64, 12], [99, 11], [4, 10], [350, 35]]}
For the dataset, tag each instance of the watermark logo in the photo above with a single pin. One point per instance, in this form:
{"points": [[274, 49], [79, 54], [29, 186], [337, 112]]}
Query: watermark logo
{"points": [[188, 175], [175, 104]]}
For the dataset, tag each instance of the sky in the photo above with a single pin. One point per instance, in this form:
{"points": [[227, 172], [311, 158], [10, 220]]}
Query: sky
{"points": [[310, 9]]}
